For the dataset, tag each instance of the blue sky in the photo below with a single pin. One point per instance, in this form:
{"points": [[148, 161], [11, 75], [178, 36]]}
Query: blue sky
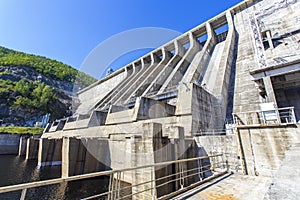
{"points": [[69, 30]]}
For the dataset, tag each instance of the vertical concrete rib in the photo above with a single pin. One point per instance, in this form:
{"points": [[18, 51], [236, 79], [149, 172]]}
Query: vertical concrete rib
{"points": [[136, 71], [181, 67], [221, 89], [201, 58], [137, 82], [166, 71], [129, 73], [227, 57], [143, 67], [166, 56]]}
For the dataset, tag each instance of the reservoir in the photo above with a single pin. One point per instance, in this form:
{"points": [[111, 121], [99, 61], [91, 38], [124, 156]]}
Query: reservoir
{"points": [[15, 170]]}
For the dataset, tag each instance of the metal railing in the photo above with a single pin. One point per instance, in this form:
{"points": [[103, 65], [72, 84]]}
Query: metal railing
{"points": [[269, 117], [155, 181]]}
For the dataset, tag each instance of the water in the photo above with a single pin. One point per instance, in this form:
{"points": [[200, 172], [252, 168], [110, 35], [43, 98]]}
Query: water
{"points": [[15, 170]]}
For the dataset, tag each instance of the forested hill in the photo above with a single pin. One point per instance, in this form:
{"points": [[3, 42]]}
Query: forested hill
{"points": [[50, 68], [32, 86]]}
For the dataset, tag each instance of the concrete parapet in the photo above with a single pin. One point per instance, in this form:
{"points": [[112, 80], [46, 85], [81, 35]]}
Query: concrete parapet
{"points": [[120, 117], [196, 101], [97, 118]]}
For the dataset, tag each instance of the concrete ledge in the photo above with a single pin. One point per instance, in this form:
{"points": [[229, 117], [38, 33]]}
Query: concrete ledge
{"points": [[76, 124], [120, 117]]}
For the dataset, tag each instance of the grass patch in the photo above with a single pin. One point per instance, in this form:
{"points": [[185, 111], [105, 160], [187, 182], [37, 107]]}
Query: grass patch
{"points": [[20, 130]]}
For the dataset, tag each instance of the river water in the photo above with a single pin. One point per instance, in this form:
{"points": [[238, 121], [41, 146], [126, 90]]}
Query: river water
{"points": [[15, 170]]}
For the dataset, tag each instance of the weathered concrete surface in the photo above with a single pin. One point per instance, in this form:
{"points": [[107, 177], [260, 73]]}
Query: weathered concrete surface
{"points": [[285, 182], [87, 155], [9, 144], [92, 94], [282, 185], [263, 148], [234, 187], [226, 144]]}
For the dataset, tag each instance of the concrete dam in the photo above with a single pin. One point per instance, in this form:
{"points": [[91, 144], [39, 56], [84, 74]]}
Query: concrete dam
{"points": [[222, 97]]}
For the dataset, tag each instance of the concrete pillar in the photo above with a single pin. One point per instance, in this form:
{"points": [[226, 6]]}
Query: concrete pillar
{"points": [[269, 90], [269, 38], [143, 175], [49, 152], [65, 157], [22, 146], [244, 137], [143, 151], [32, 148]]}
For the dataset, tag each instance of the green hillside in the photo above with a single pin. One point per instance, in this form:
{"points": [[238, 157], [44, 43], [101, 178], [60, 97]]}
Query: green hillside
{"points": [[32, 86], [50, 68]]}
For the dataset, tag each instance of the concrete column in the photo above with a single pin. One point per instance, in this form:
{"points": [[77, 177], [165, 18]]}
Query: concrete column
{"points": [[143, 154], [220, 89], [142, 175], [32, 148], [65, 157], [269, 38], [269, 90], [22, 146], [246, 151]]}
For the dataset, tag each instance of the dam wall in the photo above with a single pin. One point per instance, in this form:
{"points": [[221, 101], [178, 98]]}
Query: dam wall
{"points": [[9, 144], [240, 69]]}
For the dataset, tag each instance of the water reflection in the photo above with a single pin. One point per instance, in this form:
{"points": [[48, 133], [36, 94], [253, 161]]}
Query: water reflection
{"points": [[14, 170]]}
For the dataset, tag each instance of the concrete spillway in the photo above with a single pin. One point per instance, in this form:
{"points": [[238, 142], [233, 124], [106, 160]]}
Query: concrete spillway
{"points": [[209, 79]]}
